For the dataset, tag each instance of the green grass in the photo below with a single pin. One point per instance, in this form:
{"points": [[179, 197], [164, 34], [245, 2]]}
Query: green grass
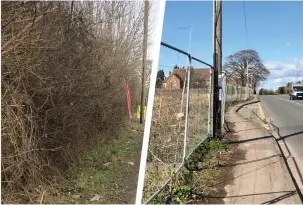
{"points": [[217, 145], [105, 171], [154, 178]]}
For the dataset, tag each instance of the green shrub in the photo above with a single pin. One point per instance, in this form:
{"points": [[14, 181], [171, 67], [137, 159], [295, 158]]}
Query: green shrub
{"points": [[217, 145]]}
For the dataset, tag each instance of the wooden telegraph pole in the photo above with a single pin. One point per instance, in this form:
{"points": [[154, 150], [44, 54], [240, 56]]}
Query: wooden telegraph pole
{"points": [[217, 63], [145, 37]]}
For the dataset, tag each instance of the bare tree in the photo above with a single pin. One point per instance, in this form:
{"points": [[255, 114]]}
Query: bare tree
{"points": [[237, 64]]}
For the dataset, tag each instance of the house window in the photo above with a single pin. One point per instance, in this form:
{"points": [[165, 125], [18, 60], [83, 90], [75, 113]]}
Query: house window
{"points": [[173, 84]]}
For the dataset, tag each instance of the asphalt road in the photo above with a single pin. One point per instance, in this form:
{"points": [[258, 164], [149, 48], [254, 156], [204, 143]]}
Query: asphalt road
{"points": [[287, 116]]}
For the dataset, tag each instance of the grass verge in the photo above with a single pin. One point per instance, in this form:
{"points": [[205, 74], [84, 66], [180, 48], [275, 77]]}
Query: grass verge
{"points": [[109, 170], [196, 187]]}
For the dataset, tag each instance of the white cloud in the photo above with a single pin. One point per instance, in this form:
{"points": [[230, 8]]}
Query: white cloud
{"points": [[278, 80], [283, 72]]}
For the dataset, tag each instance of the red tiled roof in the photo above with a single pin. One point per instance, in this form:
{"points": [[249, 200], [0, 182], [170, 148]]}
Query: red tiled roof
{"points": [[172, 75], [202, 73], [181, 73]]}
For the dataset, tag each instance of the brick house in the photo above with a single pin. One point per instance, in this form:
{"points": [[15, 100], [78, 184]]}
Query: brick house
{"points": [[199, 78]]}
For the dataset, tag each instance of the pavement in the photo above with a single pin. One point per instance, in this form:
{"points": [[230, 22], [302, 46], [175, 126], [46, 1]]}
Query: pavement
{"points": [[286, 122], [260, 175]]}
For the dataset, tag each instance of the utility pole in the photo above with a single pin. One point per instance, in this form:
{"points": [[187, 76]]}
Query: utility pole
{"points": [[246, 65], [247, 79], [251, 85], [217, 63], [145, 37]]}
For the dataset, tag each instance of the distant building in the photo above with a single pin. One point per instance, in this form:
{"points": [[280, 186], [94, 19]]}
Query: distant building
{"points": [[176, 79]]}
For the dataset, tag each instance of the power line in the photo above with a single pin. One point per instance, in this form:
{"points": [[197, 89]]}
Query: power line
{"points": [[244, 13]]}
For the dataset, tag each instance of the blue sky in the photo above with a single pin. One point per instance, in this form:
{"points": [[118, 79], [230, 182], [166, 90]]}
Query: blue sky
{"points": [[274, 30]]}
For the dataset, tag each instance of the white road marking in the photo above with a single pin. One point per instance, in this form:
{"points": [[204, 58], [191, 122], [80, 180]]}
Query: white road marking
{"points": [[290, 101]]}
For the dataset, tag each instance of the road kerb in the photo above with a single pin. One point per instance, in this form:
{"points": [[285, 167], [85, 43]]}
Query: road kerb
{"points": [[276, 183], [263, 116], [287, 151]]}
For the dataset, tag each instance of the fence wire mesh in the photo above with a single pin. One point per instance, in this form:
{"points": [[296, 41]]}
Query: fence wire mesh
{"points": [[168, 144], [198, 108], [182, 121]]}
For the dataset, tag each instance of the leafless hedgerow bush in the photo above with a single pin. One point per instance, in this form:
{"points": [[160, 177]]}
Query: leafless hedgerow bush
{"points": [[63, 66]]}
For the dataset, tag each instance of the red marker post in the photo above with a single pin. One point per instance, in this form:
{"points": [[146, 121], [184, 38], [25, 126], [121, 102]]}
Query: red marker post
{"points": [[128, 102]]}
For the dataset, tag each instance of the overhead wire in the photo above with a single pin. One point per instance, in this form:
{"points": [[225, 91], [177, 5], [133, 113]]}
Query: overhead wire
{"points": [[245, 23]]}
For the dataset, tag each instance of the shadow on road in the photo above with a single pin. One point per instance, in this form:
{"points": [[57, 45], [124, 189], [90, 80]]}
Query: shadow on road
{"points": [[282, 138], [280, 198], [249, 140], [257, 160], [258, 194]]}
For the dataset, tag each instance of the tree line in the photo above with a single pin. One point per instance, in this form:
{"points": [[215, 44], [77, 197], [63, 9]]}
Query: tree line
{"points": [[279, 91], [236, 68]]}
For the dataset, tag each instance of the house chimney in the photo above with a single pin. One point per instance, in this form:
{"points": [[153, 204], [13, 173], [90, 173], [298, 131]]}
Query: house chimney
{"points": [[169, 72]]}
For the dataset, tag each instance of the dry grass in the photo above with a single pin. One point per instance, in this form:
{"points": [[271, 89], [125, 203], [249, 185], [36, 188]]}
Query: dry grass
{"points": [[167, 133], [167, 130]]}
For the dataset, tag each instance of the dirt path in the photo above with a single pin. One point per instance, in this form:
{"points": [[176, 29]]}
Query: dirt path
{"points": [[132, 177]]}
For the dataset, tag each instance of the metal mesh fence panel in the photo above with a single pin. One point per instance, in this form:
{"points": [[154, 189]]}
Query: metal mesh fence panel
{"points": [[166, 145], [170, 143], [198, 108]]}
